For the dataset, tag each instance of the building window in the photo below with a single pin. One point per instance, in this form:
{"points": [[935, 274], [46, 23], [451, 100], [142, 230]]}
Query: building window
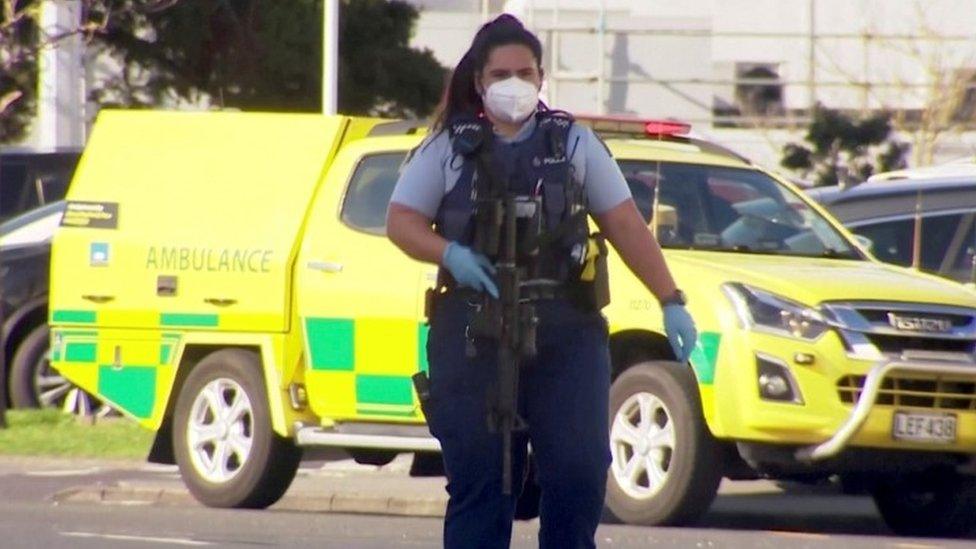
{"points": [[758, 89]]}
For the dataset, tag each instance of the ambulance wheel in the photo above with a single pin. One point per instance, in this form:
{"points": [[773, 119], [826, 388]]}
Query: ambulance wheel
{"points": [[928, 505], [227, 452], [665, 467]]}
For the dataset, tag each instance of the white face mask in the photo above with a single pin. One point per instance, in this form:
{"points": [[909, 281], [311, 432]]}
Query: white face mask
{"points": [[512, 100]]}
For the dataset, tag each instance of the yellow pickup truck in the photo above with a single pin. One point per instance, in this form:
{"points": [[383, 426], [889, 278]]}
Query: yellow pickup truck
{"points": [[225, 280]]}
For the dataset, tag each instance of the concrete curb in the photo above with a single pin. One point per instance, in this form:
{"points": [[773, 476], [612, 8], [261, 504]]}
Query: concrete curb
{"points": [[325, 502], [337, 489], [123, 495]]}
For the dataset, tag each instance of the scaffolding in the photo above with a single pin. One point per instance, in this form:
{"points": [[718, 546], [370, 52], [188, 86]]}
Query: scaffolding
{"points": [[831, 75]]}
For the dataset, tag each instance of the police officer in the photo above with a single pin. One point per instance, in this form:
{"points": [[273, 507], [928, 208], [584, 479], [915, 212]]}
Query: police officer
{"points": [[563, 391]]}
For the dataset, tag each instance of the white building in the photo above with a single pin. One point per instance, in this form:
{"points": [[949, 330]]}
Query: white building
{"points": [[746, 72]]}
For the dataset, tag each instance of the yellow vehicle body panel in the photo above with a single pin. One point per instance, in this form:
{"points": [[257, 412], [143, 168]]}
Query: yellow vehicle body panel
{"points": [[191, 193], [363, 325], [338, 311], [185, 196]]}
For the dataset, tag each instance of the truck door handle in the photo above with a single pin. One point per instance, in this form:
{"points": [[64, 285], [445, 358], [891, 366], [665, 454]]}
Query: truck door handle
{"points": [[325, 266], [98, 298], [219, 301]]}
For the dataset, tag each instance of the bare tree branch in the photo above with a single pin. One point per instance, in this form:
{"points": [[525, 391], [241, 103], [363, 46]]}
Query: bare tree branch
{"points": [[9, 99]]}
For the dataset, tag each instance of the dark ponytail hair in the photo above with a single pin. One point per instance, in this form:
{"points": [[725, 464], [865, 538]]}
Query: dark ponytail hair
{"points": [[460, 95]]}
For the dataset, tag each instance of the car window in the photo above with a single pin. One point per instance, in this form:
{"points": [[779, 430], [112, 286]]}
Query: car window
{"points": [[891, 241], [369, 190], [14, 188], [31, 182], [948, 243], [729, 209]]}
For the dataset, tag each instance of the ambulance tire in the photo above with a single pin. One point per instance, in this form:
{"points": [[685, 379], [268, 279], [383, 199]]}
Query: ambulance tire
{"points": [[28, 360], [687, 467], [269, 467], [941, 504]]}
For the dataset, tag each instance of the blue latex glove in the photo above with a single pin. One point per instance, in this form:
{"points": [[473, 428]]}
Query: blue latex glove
{"points": [[681, 331], [469, 268]]}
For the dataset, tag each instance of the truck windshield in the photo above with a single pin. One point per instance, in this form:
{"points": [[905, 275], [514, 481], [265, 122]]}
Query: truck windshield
{"points": [[716, 208]]}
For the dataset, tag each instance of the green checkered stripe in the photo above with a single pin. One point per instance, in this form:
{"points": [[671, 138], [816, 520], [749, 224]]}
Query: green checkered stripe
{"points": [[171, 320], [131, 387], [704, 357], [343, 346]]}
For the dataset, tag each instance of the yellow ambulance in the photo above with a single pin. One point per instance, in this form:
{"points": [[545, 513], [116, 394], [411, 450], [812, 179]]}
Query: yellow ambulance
{"points": [[224, 279]]}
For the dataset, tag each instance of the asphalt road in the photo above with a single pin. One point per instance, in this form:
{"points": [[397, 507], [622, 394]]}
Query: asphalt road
{"points": [[744, 515]]}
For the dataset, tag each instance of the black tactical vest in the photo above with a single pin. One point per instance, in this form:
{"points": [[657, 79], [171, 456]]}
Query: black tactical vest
{"points": [[537, 166]]}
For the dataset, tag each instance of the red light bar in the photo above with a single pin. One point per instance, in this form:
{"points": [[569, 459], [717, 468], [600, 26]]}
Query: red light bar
{"points": [[636, 126], [666, 127]]}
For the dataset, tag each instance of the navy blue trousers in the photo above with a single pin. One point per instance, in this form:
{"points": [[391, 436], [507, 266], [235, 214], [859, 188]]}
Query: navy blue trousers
{"points": [[563, 396]]}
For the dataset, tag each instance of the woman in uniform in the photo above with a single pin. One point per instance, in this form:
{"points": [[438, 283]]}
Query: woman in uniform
{"points": [[563, 390]]}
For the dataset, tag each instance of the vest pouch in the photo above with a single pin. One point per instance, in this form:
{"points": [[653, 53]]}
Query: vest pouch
{"points": [[455, 224], [554, 202], [592, 291]]}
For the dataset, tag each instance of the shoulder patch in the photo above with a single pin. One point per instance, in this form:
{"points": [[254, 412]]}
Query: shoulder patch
{"points": [[556, 125], [468, 135]]}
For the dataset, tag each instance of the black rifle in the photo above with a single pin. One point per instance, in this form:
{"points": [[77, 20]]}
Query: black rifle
{"points": [[505, 226], [508, 229]]}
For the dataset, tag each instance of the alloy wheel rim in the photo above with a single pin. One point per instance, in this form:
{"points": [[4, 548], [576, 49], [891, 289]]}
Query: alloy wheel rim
{"points": [[54, 391], [220, 430], [642, 441]]}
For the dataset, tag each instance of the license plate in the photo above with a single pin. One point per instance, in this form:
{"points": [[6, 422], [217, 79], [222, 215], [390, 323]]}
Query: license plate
{"points": [[921, 427]]}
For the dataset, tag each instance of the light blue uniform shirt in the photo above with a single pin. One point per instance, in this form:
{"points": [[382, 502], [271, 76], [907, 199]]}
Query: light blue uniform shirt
{"points": [[434, 170]]}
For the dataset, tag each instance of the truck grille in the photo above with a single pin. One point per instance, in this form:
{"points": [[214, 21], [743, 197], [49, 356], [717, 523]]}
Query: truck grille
{"points": [[872, 330], [897, 344], [939, 393]]}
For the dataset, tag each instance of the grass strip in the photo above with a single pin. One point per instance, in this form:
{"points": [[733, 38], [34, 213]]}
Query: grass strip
{"points": [[53, 433]]}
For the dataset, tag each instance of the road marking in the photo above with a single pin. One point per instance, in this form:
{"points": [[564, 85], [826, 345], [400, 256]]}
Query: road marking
{"points": [[122, 537], [64, 473]]}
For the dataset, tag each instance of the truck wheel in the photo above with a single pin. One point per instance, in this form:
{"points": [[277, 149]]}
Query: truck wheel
{"points": [[928, 504], [227, 452], [665, 467]]}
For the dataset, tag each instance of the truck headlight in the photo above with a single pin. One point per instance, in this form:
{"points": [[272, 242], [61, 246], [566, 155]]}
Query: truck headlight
{"points": [[761, 310]]}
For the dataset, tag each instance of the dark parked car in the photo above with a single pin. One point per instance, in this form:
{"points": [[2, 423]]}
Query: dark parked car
{"points": [[924, 218], [30, 178], [25, 261], [32, 183]]}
